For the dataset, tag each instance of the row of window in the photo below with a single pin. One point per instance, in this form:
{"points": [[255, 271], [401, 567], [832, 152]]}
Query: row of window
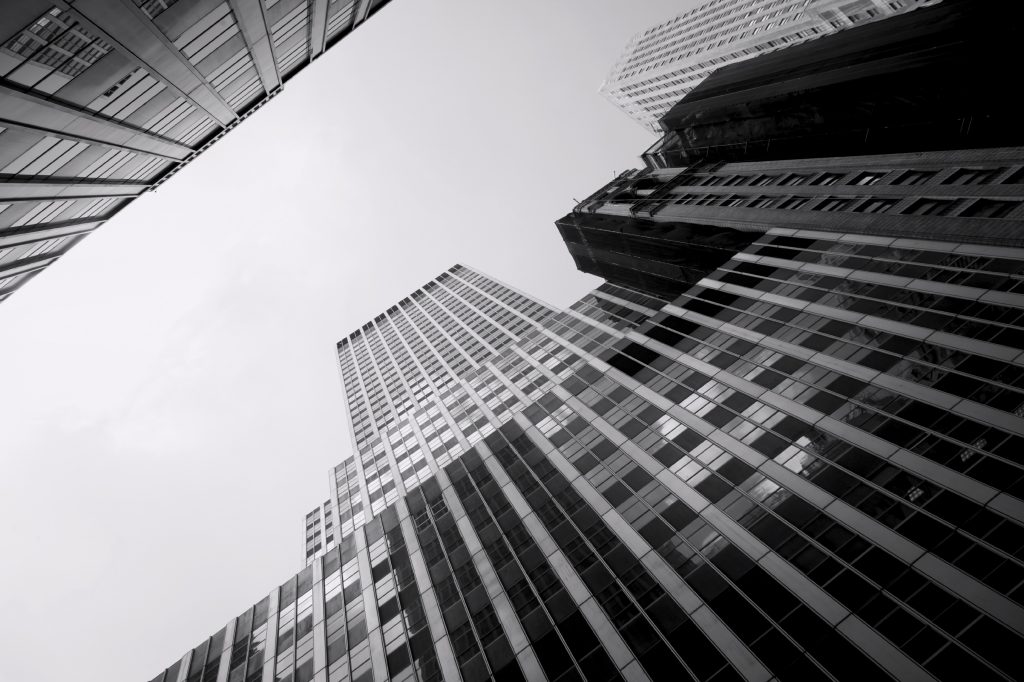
{"points": [[967, 208], [955, 176]]}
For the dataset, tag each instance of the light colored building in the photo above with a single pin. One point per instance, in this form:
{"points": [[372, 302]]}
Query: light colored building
{"points": [[102, 100], [661, 65]]}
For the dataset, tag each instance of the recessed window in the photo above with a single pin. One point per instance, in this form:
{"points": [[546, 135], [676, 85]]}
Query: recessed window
{"points": [[990, 208], [875, 206], [1016, 177], [793, 202], [915, 177], [834, 204], [868, 178], [795, 179], [973, 176], [762, 202], [712, 180], [931, 207], [827, 179]]}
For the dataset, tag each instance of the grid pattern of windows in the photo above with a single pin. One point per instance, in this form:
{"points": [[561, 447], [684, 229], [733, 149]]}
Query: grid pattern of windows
{"points": [[652, 229], [147, 87], [50, 52], [401, 373], [783, 473]]}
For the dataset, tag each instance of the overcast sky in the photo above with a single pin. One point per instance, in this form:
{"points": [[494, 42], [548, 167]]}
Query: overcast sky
{"points": [[171, 400]]}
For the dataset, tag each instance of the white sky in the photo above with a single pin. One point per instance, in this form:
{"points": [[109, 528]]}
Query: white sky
{"points": [[171, 400]]}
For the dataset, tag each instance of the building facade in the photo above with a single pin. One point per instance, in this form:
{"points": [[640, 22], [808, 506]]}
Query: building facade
{"points": [[101, 100], [660, 65], [930, 80], [897, 129], [646, 227], [808, 465]]}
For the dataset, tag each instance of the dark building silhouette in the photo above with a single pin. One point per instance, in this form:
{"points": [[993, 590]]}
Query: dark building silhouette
{"points": [[666, 61], [662, 258], [932, 79], [101, 100], [649, 228]]}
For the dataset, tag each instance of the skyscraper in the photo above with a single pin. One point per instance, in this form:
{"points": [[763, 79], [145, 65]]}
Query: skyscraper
{"points": [[806, 466], [662, 64], [930, 80], [660, 230], [900, 128], [101, 100]]}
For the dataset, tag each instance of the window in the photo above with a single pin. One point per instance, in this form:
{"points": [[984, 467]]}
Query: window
{"points": [[990, 208], [915, 177], [875, 206], [868, 178], [793, 202], [795, 179], [1016, 178], [931, 207], [153, 8], [762, 202], [712, 180], [827, 179], [59, 48], [973, 176], [834, 204]]}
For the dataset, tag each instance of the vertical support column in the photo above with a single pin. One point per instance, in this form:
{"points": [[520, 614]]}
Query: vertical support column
{"points": [[378, 660], [317, 28], [273, 620], [253, 25], [186, 660], [225, 653], [319, 626], [435, 622]]}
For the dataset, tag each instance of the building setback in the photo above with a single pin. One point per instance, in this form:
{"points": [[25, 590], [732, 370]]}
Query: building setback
{"points": [[101, 100], [662, 64], [808, 465]]}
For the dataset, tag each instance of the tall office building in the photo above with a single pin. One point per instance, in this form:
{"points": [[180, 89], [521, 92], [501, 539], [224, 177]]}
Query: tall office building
{"points": [[101, 100], [807, 466], [662, 64], [900, 128], [931, 80], [660, 230]]}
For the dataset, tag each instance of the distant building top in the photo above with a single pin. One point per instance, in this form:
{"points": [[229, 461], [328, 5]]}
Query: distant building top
{"points": [[661, 64]]}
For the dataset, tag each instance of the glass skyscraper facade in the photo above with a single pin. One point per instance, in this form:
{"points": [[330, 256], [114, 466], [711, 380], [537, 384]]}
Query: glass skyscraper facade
{"points": [[807, 465], [102, 100]]}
